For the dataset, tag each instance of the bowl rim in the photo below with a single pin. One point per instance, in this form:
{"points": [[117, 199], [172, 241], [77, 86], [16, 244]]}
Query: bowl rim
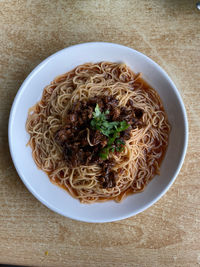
{"points": [[150, 203]]}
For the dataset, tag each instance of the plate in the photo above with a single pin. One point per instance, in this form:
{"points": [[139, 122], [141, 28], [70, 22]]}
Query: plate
{"points": [[38, 182]]}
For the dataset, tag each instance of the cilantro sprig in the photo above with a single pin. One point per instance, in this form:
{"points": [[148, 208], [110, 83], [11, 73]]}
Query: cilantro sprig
{"points": [[110, 129]]}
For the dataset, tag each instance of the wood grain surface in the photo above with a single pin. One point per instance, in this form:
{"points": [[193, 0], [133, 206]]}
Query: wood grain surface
{"points": [[168, 233]]}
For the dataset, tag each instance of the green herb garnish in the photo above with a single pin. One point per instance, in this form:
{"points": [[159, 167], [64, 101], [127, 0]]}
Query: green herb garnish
{"points": [[110, 129], [119, 141]]}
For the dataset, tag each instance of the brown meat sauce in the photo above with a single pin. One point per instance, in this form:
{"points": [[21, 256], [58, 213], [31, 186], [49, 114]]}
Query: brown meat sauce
{"points": [[74, 135]]}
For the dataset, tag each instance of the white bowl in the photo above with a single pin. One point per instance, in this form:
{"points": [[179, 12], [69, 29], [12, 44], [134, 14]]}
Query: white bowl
{"points": [[37, 181]]}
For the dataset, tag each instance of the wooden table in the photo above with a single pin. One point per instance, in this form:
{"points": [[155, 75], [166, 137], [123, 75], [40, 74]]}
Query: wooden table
{"points": [[167, 234]]}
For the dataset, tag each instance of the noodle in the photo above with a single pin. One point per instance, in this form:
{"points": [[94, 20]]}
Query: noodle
{"points": [[143, 152]]}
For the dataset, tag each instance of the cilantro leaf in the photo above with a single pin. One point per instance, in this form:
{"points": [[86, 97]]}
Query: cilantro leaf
{"points": [[110, 129], [119, 141], [123, 125], [97, 112], [104, 152]]}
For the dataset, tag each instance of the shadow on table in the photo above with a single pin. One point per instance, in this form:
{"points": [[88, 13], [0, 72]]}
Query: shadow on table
{"points": [[8, 265], [183, 6]]}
